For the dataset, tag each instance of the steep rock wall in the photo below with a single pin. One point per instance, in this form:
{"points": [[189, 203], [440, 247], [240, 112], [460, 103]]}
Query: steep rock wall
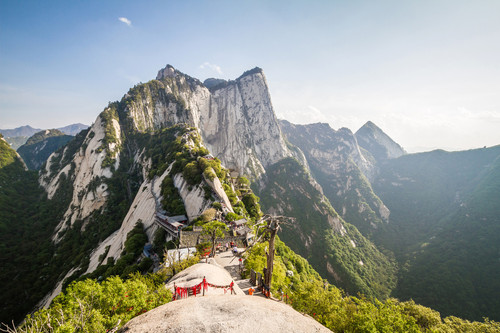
{"points": [[85, 172], [236, 121], [241, 127], [194, 198]]}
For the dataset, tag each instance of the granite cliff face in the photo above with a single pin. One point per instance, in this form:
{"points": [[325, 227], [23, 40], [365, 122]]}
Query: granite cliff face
{"points": [[241, 126], [82, 165], [236, 119]]}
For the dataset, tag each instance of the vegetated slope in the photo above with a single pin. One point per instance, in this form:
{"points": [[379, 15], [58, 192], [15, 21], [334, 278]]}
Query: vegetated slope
{"points": [[39, 147], [445, 209], [24, 237], [421, 189], [34, 263], [304, 289], [334, 248]]}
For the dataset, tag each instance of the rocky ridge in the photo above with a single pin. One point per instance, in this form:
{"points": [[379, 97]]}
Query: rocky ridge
{"points": [[342, 170]]}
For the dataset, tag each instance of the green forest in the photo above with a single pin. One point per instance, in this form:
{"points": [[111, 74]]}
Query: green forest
{"points": [[445, 227], [308, 293], [288, 181]]}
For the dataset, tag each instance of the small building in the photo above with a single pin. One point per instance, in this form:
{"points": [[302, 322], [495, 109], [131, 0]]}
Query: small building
{"points": [[238, 224], [178, 218], [171, 224]]}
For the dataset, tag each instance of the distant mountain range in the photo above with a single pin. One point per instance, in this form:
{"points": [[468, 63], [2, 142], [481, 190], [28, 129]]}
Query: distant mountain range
{"points": [[18, 136]]}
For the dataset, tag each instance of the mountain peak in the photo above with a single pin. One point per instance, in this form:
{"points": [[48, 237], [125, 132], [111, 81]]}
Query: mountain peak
{"points": [[378, 143], [255, 70], [168, 71]]}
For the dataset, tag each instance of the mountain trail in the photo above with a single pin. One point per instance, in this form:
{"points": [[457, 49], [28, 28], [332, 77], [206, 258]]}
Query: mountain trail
{"points": [[234, 266]]}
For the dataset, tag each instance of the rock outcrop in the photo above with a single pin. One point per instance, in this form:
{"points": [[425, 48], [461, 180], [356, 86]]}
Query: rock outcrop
{"points": [[243, 314], [218, 311], [379, 144], [84, 169]]}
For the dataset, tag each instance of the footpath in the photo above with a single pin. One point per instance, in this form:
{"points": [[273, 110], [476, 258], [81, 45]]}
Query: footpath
{"points": [[233, 265]]}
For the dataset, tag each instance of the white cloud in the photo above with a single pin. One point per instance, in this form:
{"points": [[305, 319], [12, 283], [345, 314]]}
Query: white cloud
{"points": [[213, 67], [125, 20]]}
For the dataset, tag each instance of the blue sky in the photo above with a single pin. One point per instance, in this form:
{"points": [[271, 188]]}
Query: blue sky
{"points": [[426, 72]]}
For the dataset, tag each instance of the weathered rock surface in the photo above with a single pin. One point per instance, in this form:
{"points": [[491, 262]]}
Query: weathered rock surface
{"points": [[212, 272], [84, 168], [236, 120], [223, 314], [220, 311]]}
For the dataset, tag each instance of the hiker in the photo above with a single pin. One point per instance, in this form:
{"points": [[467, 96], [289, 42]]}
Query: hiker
{"points": [[266, 291]]}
